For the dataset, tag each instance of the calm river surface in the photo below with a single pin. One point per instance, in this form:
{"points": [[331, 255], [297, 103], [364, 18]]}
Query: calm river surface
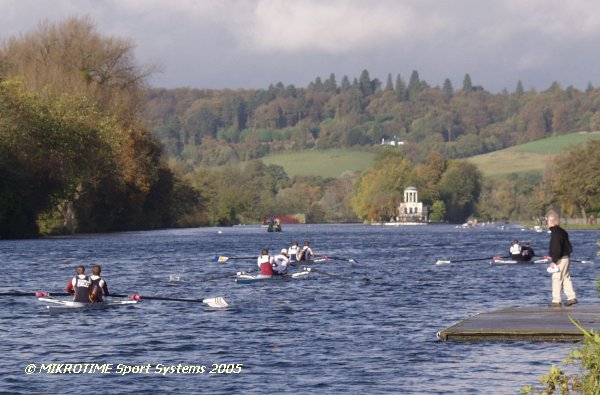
{"points": [[317, 335]]}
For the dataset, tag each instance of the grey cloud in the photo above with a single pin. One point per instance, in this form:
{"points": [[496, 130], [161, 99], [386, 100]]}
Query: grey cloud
{"points": [[250, 44]]}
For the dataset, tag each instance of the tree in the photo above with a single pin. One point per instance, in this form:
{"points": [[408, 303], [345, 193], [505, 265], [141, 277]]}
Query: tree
{"points": [[72, 57], [379, 190], [389, 85], [519, 90], [460, 187], [414, 85], [448, 89], [76, 121], [467, 85], [401, 91], [364, 83], [576, 181], [330, 85]]}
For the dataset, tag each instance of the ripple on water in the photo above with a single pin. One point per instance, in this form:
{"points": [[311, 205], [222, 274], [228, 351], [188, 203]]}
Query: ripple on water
{"points": [[318, 335]]}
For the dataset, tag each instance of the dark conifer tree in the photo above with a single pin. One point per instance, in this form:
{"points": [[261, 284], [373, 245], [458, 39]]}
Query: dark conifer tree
{"points": [[400, 88], [389, 85], [345, 83], [448, 89], [330, 85], [414, 85], [467, 84], [364, 83], [519, 91]]}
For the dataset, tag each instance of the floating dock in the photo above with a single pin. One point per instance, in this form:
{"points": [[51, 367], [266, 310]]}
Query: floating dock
{"points": [[526, 324]]}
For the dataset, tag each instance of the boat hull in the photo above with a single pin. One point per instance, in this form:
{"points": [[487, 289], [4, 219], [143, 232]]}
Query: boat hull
{"points": [[248, 278], [57, 305], [515, 262]]}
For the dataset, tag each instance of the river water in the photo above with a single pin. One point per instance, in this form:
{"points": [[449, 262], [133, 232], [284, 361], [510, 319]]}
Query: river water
{"points": [[373, 331]]}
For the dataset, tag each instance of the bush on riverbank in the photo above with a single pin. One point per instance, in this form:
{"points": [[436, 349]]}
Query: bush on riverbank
{"points": [[587, 382]]}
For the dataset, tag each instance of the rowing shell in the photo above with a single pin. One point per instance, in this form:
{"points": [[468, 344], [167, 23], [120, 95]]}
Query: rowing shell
{"points": [[57, 305], [515, 262], [248, 278]]}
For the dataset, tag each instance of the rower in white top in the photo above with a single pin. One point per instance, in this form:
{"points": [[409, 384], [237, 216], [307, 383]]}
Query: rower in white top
{"points": [[280, 262]]}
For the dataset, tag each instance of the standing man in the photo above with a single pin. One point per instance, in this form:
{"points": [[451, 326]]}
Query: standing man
{"points": [[80, 286], [560, 251]]}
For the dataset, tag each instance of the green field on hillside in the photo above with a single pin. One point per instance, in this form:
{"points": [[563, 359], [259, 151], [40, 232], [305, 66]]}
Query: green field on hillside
{"points": [[529, 157], [327, 163]]}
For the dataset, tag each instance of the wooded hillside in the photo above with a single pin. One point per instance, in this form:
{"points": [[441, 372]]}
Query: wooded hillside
{"points": [[215, 127]]}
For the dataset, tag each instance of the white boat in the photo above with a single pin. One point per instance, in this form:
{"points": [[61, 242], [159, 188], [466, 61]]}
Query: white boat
{"points": [[244, 278], [57, 305], [507, 261]]}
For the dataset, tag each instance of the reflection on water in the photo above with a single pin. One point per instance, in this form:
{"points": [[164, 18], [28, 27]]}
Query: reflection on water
{"points": [[318, 335]]}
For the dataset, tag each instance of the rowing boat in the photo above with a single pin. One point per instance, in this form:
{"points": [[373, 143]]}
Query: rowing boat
{"points": [[503, 261], [57, 305], [244, 278]]}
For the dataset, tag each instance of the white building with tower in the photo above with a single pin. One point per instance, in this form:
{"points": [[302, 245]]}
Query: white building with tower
{"points": [[411, 211]]}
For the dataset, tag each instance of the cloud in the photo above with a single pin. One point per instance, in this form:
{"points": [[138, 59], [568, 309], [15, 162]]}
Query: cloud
{"points": [[330, 26], [251, 43]]}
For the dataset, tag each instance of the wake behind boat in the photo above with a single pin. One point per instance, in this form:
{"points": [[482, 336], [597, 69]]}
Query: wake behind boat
{"points": [[57, 305]]}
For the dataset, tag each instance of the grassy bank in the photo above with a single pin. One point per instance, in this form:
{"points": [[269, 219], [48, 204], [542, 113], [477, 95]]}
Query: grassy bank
{"points": [[529, 157], [326, 163]]}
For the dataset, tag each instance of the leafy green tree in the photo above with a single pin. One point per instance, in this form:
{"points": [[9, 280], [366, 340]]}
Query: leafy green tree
{"points": [[460, 187], [379, 190], [438, 211], [576, 181]]}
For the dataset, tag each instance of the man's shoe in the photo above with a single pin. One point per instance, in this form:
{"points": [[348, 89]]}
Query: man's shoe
{"points": [[555, 305], [571, 302]]}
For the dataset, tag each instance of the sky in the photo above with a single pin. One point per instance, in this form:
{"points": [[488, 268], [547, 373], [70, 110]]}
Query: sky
{"points": [[249, 44]]}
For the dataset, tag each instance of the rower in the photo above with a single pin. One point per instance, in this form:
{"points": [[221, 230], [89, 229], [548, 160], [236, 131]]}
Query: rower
{"points": [[293, 251], [265, 262], [280, 262], [527, 252], [79, 286], [306, 254], [99, 286], [515, 250]]}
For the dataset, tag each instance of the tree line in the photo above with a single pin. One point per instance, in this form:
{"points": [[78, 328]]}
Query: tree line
{"points": [[215, 127], [74, 155], [86, 146]]}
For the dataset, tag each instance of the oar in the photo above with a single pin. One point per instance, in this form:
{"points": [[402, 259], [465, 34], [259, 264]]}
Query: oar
{"points": [[340, 258], [212, 302], [223, 259], [37, 294], [572, 260], [229, 275], [445, 262]]}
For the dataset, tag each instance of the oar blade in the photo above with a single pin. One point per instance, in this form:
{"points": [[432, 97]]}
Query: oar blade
{"points": [[442, 262], [220, 258], [218, 302]]}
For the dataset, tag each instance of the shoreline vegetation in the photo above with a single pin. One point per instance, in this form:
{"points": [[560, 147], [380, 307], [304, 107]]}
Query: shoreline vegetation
{"points": [[86, 146]]}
